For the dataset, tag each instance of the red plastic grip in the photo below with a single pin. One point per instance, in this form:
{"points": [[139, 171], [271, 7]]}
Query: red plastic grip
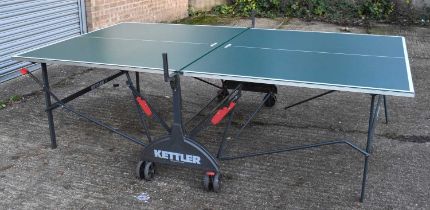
{"points": [[24, 71], [145, 107], [221, 113]]}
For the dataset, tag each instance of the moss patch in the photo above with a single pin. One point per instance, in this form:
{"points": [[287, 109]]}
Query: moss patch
{"points": [[11, 100], [2, 104], [15, 98]]}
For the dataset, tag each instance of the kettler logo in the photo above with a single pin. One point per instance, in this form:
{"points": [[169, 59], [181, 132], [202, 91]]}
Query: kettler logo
{"points": [[176, 157]]}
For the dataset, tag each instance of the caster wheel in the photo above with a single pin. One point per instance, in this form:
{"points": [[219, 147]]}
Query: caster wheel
{"points": [[149, 171], [222, 94], [212, 182], [139, 169], [270, 101], [206, 183], [216, 183]]}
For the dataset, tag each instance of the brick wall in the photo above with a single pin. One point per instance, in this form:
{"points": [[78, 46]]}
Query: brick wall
{"points": [[102, 13], [205, 5]]}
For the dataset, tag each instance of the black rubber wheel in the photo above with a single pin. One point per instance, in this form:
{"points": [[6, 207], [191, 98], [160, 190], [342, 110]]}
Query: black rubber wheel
{"points": [[270, 101], [206, 182], [222, 94], [139, 169], [216, 183], [212, 182], [149, 171]]}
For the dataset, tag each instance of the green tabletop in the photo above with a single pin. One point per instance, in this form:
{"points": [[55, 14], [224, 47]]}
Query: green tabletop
{"points": [[135, 46], [334, 61]]}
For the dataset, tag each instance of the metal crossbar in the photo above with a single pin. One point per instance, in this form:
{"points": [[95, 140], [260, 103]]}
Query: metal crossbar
{"points": [[156, 115], [139, 110], [209, 83], [49, 93], [85, 90], [309, 99], [233, 96], [300, 147], [373, 116]]}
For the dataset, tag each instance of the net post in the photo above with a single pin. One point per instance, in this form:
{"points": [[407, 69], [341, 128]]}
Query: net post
{"points": [[253, 18]]}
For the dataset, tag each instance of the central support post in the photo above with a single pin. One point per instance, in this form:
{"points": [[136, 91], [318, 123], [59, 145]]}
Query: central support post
{"points": [[178, 148], [177, 131]]}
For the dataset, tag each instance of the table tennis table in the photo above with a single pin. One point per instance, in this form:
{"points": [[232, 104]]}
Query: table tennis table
{"points": [[244, 59]]}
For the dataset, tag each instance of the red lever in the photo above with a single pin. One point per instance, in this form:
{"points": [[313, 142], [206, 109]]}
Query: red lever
{"points": [[142, 103], [221, 113], [24, 71]]}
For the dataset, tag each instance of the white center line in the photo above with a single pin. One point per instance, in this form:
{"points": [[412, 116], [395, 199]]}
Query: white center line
{"points": [[320, 52]]}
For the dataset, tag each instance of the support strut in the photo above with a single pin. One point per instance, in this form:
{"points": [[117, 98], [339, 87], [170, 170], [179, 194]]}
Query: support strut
{"points": [[49, 94]]}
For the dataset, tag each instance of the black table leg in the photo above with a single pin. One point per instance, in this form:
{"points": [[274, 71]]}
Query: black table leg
{"points": [[137, 82], [385, 110], [373, 118], [48, 104]]}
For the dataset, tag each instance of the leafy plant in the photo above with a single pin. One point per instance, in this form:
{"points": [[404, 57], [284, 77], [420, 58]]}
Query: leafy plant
{"points": [[307, 8], [224, 9], [338, 11], [376, 9], [245, 7]]}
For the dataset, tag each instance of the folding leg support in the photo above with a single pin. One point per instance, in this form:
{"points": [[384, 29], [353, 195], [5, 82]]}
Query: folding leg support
{"points": [[232, 97], [224, 135], [48, 105], [309, 99], [62, 103], [385, 110], [137, 82], [373, 119], [138, 94], [139, 110], [209, 83], [252, 116]]}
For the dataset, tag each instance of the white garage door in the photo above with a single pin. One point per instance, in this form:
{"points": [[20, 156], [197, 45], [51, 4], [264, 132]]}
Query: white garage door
{"points": [[27, 24]]}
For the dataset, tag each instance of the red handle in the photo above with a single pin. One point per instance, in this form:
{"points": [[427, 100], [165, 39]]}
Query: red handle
{"points": [[24, 71], [221, 113], [142, 103]]}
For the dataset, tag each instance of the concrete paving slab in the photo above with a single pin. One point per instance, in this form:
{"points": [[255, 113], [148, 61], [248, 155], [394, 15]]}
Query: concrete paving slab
{"points": [[94, 169]]}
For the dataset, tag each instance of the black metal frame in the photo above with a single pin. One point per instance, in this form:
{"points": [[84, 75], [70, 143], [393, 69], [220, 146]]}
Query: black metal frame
{"points": [[62, 103], [332, 91], [373, 116], [179, 146], [182, 142], [177, 138], [374, 112]]}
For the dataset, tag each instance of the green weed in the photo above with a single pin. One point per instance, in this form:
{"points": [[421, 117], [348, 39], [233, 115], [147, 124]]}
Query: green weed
{"points": [[337, 11], [12, 99]]}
